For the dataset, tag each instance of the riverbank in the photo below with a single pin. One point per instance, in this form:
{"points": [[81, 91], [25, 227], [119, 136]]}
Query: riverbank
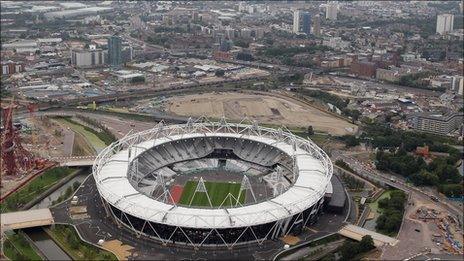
{"points": [[16, 247], [67, 238], [57, 185], [37, 186], [89, 134]]}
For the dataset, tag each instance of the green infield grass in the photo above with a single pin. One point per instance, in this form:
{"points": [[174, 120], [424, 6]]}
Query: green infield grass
{"points": [[217, 191]]}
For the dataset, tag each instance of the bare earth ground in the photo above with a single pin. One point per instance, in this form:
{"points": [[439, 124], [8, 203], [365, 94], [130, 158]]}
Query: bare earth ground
{"points": [[264, 109], [121, 251], [412, 241], [41, 141]]}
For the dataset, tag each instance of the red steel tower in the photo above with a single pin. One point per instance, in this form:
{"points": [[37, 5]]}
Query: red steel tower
{"points": [[14, 157]]}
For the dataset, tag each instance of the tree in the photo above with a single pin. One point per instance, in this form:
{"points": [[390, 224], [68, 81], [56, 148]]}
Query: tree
{"points": [[367, 243], [452, 190], [383, 203], [349, 250], [74, 243], [241, 43], [351, 141], [310, 130], [424, 178], [219, 73], [89, 254], [392, 212]]}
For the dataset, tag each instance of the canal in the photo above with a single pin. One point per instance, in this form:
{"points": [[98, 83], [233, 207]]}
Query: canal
{"points": [[47, 201], [42, 241], [45, 244]]}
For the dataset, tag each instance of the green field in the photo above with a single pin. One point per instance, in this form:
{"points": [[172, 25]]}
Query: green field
{"points": [[217, 192], [375, 205]]}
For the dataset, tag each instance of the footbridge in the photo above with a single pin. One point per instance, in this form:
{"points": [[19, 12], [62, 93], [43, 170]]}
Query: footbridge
{"points": [[26, 219], [357, 233], [75, 161]]}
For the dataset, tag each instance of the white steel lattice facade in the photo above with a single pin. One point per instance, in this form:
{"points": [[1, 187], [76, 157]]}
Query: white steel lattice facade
{"points": [[118, 171]]}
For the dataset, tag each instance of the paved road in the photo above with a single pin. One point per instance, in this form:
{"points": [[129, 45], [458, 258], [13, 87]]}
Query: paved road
{"points": [[98, 226], [304, 252], [383, 178], [68, 142], [412, 243]]}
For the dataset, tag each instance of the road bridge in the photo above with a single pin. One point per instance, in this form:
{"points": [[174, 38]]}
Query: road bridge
{"points": [[26, 219]]}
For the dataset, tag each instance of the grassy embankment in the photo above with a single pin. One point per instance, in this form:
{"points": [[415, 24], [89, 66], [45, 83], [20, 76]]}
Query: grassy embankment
{"points": [[374, 206], [16, 247], [88, 140], [34, 188], [67, 193], [90, 135], [68, 239]]}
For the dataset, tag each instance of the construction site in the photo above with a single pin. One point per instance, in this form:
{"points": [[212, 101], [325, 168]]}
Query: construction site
{"points": [[30, 142], [444, 229], [264, 109], [19, 163]]}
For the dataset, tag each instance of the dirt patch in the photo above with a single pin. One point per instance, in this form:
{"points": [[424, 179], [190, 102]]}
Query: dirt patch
{"points": [[121, 251], [291, 240], [419, 234], [264, 109]]}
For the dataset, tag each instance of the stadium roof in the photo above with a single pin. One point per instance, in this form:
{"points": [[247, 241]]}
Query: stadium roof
{"points": [[314, 173]]}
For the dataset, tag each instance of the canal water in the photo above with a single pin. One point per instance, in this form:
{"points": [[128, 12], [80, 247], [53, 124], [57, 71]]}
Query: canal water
{"points": [[45, 244], [42, 240], [47, 201]]}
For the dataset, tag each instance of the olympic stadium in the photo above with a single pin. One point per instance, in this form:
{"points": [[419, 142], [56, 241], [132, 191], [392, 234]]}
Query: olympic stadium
{"points": [[213, 184]]}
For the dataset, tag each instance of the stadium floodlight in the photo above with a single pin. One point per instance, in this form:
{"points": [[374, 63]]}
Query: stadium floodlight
{"points": [[201, 188], [158, 182], [231, 199], [245, 185]]}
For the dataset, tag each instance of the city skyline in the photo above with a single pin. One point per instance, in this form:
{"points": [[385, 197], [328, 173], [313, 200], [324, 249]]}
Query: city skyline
{"points": [[232, 130]]}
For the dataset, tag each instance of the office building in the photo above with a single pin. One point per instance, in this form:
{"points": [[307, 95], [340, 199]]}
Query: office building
{"points": [[230, 33], [301, 22], [331, 10], [126, 54], [88, 58], [114, 51], [445, 23], [245, 33], [259, 33], [437, 123], [317, 25], [457, 84], [10, 67]]}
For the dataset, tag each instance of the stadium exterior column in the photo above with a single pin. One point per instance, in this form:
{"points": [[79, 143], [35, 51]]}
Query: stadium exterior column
{"points": [[287, 222]]}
